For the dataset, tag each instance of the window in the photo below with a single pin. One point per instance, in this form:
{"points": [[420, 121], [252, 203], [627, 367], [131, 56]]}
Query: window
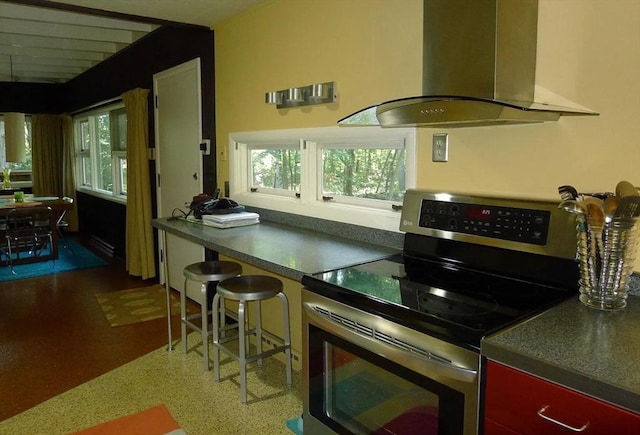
{"points": [[370, 173], [275, 168], [354, 175], [101, 157]]}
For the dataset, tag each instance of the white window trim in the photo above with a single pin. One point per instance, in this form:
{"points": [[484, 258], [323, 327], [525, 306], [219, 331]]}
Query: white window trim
{"points": [[94, 190], [308, 204], [270, 145], [316, 148]]}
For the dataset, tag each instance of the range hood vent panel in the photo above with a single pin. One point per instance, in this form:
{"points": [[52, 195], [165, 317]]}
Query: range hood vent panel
{"points": [[479, 61]]}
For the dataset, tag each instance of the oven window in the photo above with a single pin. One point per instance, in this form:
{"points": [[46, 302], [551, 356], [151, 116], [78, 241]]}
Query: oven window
{"points": [[355, 391]]}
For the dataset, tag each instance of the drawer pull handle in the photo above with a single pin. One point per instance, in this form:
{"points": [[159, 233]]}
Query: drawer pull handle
{"points": [[541, 414]]}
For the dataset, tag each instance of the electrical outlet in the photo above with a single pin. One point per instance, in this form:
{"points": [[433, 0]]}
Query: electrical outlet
{"points": [[440, 149]]}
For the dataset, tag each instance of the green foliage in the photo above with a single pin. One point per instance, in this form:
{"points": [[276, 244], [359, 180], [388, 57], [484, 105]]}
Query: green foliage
{"points": [[276, 168], [361, 173], [104, 150], [364, 173]]}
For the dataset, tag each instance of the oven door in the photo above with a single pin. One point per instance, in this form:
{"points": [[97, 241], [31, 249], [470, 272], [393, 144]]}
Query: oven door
{"points": [[363, 374]]}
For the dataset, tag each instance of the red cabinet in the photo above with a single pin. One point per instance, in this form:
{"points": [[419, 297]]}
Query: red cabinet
{"points": [[519, 403]]}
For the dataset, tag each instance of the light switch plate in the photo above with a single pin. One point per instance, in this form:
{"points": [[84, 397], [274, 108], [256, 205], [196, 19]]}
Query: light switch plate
{"points": [[440, 149], [205, 146]]}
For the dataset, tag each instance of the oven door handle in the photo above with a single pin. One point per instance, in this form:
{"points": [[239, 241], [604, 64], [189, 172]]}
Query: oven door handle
{"points": [[426, 361]]}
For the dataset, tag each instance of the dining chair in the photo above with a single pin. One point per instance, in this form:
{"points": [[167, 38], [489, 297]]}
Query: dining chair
{"points": [[28, 235], [62, 224]]}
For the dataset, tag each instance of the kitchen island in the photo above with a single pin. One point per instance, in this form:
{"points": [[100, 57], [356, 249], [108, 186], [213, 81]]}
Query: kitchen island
{"points": [[591, 352]]}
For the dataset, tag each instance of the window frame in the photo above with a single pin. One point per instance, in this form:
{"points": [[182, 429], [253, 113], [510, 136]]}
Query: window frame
{"points": [[371, 143], [92, 154], [364, 212], [260, 145]]}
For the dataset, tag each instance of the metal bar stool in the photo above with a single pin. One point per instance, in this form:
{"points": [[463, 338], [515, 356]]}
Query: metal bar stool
{"points": [[204, 272], [244, 289]]}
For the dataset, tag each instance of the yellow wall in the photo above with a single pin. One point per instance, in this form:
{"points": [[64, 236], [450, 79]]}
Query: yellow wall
{"points": [[588, 52], [370, 48]]}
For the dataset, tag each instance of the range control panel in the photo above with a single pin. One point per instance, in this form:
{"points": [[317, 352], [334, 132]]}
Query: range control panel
{"points": [[498, 222]]}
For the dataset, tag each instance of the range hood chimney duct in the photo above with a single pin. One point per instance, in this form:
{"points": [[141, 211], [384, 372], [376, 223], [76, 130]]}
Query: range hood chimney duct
{"points": [[479, 62]]}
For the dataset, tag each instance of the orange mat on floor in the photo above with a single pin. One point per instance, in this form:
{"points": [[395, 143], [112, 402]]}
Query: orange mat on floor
{"points": [[153, 421]]}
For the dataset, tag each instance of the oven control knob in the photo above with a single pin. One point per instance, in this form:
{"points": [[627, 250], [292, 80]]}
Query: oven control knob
{"points": [[453, 224]]}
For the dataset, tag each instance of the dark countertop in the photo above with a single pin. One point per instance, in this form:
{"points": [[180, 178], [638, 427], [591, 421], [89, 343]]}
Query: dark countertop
{"points": [[593, 352], [282, 249]]}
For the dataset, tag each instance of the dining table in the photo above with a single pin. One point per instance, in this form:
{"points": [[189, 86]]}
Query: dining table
{"points": [[58, 205]]}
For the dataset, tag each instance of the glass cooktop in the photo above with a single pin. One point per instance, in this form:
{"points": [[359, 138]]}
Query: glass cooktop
{"points": [[458, 304]]}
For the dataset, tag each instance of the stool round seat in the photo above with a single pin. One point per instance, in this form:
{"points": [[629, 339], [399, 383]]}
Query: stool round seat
{"points": [[249, 287], [212, 271]]}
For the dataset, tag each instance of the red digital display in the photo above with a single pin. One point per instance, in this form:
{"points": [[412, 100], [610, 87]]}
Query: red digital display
{"points": [[478, 213]]}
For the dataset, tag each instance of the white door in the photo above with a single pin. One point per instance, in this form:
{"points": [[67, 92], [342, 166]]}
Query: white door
{"points": [[178, 127]]}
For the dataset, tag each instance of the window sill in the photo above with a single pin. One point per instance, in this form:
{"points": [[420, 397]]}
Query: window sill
{"points": [[104, 196], [21, 184], [351, 214]]}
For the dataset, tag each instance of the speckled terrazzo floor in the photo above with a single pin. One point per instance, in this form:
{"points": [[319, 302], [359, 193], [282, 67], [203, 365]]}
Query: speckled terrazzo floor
{"points": [[196, 401]]}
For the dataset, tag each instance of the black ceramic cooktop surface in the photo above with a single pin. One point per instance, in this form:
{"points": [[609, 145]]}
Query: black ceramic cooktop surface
{"points": [[457, 304]]}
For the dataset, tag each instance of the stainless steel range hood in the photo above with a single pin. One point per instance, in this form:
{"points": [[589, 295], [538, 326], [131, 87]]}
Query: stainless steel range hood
{"points": [[479, 62]]}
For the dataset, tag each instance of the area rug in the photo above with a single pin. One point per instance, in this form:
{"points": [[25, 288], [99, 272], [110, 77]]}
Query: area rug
{"points": [[76, 257], [295, 425], [125, 307], [153, 421]]}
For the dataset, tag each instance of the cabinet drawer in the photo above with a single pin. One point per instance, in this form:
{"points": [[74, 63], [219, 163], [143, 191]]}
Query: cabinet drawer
{"points": [[531, 405]]}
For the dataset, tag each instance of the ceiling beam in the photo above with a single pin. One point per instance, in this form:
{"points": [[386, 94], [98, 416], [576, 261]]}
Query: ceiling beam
{"points": [[45, 15], [65, 44]]}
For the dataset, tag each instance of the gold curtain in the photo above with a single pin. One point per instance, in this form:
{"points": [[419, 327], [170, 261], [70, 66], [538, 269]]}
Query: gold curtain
{"points": [[47, 145], [52, 160], [140, 260]]}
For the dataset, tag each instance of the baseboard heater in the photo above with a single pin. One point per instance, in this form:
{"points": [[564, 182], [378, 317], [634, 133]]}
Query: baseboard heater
{"points": [[102, 246]]}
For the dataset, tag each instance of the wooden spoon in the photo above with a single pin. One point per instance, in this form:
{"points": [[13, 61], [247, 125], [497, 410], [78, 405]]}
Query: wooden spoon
{"points": [[595, 212], [624, 188]]}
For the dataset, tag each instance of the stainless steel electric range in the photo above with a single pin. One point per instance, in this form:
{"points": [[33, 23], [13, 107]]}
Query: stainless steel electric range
{"points": [[392, 346]]}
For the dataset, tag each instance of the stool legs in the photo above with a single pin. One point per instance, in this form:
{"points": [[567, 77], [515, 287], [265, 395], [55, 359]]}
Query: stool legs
{"points": [[242, 341], [287, 333], [216, 337], [183, 317], [204, 326], [204, 311], [243, 356], [258, 331]]}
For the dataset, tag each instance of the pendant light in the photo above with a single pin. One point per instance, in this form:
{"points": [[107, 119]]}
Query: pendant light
{"points": [[14, 137]]}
